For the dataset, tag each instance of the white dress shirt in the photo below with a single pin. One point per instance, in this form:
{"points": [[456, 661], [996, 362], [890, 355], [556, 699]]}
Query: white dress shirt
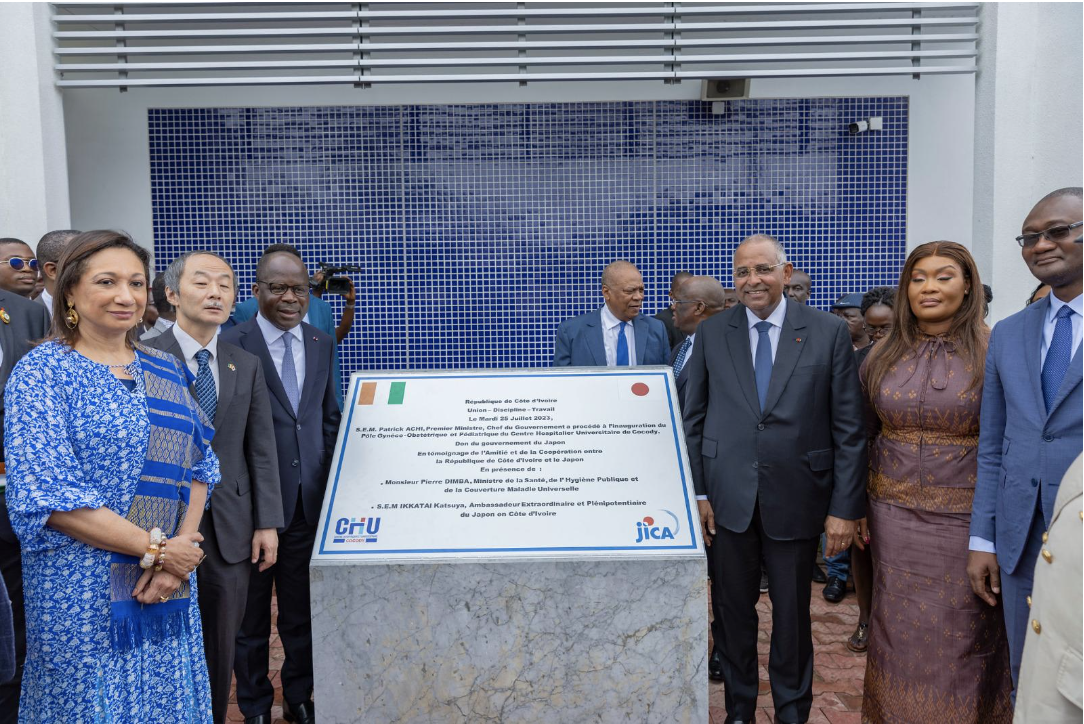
{"points": [[775, 319], [692, 341], [47, 300], [611, 325], [189, 348], [981, 544], [272, 335]]}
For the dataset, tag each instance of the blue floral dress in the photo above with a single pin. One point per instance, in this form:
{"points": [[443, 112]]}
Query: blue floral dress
{"points": [[77, 437]]}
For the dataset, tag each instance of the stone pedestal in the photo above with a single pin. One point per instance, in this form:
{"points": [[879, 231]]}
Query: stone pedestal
{"points": [[512, 640]]}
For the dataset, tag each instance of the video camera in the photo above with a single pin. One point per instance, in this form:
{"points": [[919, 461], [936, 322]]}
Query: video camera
{"points": [[332, 283]]}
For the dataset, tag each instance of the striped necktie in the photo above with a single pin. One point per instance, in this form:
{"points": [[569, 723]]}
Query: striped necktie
{"points": [[206, 394]]}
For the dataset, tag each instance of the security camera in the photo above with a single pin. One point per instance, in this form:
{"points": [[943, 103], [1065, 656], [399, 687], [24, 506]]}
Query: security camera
{"points": [[866, 124]]}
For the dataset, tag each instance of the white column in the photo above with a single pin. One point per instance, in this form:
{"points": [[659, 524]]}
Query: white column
{"points": [[33, 156], [1028, 131]]}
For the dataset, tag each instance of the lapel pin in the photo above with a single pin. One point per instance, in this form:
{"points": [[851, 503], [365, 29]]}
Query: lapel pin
{"points": [[232, 368], [5, 316], [797, 339]]}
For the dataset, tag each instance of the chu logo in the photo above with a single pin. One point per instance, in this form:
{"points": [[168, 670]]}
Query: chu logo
{"points": [[647, 531], [356, 530]]}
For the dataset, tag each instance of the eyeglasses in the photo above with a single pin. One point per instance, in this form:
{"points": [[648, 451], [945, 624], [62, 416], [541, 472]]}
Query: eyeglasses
{"points": [[762, 270], [18, 263], [1054, 233], [280, 289], [685, 301]]}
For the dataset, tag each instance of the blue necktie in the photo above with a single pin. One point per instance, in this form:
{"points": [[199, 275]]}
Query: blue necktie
{"points": [[1057, 356], [683, 352], [289, 373], [205, 385], [762, 362], [622, 347]]}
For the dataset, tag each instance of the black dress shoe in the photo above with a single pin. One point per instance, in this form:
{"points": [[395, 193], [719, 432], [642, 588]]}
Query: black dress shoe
{"points": [[777, 720], [303, 713], [259, 719], [818, 574], [715, 666], [835, 590]]}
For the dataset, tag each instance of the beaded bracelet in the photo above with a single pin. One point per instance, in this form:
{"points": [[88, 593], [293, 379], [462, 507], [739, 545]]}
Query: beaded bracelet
{"points": [[157, 541], [161, 557]]}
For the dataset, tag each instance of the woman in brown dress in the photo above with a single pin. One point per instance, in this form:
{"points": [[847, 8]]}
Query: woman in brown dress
{"points": [[936, 652]]}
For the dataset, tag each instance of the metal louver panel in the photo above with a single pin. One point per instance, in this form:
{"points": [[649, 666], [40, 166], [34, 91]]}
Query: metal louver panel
{"points": [[130, 45]]}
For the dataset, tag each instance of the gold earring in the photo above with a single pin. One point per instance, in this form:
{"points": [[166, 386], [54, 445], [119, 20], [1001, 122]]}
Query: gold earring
{"points": [[140, 321], [72, 318]]}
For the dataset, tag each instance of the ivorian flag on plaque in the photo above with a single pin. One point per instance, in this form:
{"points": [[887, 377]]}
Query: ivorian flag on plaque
{"points": [[381, 393]]}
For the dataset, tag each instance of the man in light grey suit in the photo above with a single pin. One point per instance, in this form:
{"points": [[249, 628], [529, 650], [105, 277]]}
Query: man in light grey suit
{"points": [[22, 321], [246, 509], [616, 334], [1031, 423], [777, 452]]}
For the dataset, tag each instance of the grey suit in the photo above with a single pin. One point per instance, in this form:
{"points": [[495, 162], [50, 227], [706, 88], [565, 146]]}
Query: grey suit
{"points": [[26, 321], [772, 476], [248, 498]]}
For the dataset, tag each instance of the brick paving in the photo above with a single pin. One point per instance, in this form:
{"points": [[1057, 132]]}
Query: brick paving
{"points": [[837, 673]]}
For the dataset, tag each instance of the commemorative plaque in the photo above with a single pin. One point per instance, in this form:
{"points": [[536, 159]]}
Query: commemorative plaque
{"points": [[510, 544]]}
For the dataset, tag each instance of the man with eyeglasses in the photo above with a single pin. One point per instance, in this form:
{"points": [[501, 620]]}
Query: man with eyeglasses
{"points": [[615, 334], [777, 452], [674, 335], [18, 267], [1031, 423], [298, 368]]}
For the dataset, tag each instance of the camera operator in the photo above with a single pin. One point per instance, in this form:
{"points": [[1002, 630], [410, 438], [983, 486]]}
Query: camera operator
{"points": [[319, 283]]}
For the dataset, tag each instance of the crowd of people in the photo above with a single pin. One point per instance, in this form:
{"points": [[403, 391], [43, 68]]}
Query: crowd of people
{"points": [[922, 452], [140, 447], [167, 451]]}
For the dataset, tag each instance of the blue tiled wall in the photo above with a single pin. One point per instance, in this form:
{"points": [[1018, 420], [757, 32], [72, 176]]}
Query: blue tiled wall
{"points": [[480, 227]]}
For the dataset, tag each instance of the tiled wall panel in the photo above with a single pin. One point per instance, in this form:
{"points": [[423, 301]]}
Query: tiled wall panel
{"points": [[480, 227]]}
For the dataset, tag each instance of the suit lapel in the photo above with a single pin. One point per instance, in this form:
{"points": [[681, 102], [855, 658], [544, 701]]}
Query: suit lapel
{"points": [[253, 341], [1033, 347], [786, 356], [312, 354], [227, 379], [639, 328], [594, 338], [741, 355], [1070, 381], [7, 343]]}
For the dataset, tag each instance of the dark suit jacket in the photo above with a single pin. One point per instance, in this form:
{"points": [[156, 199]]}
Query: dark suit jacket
{"points": [[682, 378], [249, 495], [29, 321], [579, 341], [673, 335], [305, 441], [804, 456], [1024, 449]]}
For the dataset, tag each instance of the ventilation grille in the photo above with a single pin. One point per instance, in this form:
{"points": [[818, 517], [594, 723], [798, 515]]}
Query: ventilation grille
{"points": [[129, 45]]}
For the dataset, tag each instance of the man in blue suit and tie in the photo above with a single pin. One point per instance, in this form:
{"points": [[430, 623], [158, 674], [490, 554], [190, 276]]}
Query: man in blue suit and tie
{"points": [[616, 334], [1030, 428]]}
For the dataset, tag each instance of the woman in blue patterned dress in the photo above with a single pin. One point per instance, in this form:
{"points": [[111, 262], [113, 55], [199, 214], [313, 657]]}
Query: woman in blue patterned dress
{"points": [[106, 454]]}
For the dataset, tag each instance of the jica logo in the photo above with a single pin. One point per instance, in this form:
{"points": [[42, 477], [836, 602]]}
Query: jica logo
{"points": [[356, 530], [647, 531]]}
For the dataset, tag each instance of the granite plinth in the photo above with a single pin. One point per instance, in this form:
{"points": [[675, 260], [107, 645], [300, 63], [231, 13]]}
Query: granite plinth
{"points": [[516, 640]]}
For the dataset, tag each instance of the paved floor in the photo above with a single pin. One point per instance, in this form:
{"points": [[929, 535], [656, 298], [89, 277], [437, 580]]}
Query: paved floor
{"points": [[837, 673]]}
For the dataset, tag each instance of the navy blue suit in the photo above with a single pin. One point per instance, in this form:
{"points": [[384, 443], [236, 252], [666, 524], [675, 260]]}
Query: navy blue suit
{"points": [[305, 443], [1023, 453], [579, 341]]}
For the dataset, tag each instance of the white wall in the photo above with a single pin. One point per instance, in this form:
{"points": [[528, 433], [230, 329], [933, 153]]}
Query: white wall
{"points": [[33, 165], [1028, 131], [108, 156]]}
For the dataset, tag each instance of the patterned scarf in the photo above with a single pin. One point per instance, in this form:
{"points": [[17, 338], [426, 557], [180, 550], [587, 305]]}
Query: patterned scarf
{"points": [[178, 433]]}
